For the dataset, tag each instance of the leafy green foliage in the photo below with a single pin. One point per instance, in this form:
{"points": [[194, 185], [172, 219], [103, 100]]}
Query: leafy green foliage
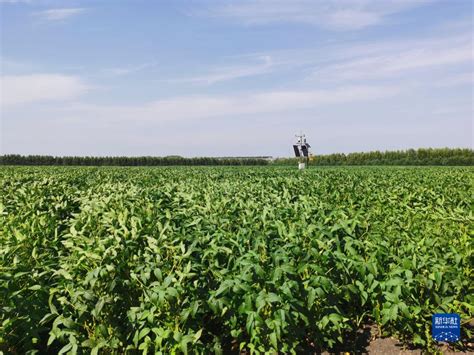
{"points": [[16, 159], [178, 260], [422, 156]]}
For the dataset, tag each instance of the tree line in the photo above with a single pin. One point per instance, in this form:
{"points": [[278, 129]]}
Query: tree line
{"points": [[15, 159], [422, 156]]}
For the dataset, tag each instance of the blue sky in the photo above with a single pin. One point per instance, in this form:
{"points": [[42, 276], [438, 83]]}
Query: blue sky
{"points": [[222, 78]]}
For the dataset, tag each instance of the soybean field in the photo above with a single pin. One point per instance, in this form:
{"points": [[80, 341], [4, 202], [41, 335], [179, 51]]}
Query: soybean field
{"points": [[230, 259]]}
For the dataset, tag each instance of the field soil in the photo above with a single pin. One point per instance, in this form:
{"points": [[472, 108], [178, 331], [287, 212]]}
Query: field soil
{"points": [[367, 341]]}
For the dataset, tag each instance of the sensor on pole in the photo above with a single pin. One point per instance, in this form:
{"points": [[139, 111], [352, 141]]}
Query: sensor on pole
{"points": [[301, 149]]}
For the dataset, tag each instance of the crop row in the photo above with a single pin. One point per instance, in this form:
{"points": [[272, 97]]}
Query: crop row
{"points": [[225, 259]]}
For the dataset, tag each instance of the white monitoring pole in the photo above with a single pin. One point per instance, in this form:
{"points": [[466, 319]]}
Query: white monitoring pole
{"points": [[301, 149]]}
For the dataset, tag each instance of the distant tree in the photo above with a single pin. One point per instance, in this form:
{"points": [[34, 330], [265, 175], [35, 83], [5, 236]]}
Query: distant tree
{"points": [[422, 156]]}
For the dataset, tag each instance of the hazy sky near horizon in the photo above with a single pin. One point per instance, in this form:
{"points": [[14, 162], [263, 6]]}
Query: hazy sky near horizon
{"points": [[223, 78]]}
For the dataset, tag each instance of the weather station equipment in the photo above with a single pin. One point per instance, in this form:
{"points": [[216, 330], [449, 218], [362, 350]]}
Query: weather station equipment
{"points": [[301, 149]]}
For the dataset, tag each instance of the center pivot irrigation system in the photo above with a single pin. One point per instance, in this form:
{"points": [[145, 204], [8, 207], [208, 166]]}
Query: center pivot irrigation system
{"points": [[301, 149]]}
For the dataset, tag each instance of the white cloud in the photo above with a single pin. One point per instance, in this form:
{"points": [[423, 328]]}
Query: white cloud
{"points": [[466, 78], [331, 14], [190, 108], [59, 14], [350, 62], [231, 72], [25, 89], [119, 71], [397, 59]]}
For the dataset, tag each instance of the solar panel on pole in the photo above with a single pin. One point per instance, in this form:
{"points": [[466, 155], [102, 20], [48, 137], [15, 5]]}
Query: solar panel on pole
{"points": [[297, 151], [301, 149], [304, 150]]}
